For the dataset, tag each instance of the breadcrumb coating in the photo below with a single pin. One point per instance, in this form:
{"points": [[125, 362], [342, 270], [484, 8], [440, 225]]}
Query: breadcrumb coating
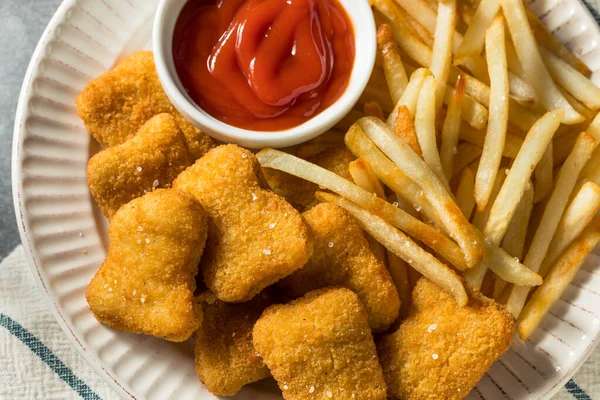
{"points": [[442, 349], [151, 159], [225, 356], [116, 104], [146, 285], [301, 193], [255, 237], [320, 347], [342, 256]]}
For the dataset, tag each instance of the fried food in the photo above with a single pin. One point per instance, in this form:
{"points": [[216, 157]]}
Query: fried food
{"points": [[320, 346], [225, 356], [442, 349], [342, 256], [146, 285], [255, 237], [115, 105], [151, 159], [301, 193]]}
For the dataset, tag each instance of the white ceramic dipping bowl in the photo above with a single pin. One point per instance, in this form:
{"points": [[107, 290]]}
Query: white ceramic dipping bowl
{"points": [[360, 15]]}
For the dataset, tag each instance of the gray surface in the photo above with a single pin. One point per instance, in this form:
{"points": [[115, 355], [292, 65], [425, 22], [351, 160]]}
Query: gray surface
{"points": [[21, 25]]}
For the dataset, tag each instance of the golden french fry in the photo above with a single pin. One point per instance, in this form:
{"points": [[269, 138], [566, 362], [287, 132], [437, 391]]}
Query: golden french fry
{"points": [[425, 128], [572, 80], [514, 239], [531, 152], [395, 74], [364, 177], [556, 282], [403, 247], [512, 143], [405, 130], [544, 175], [443, 42], [464, 193], [466, 153], [474, 39], [373, 109], [498, 120], [399, 272], [410, 96], [432, 238], [533, 65], [451, 130], [577, 216], [434, 190], [481, 217], [547, 39], [565, 182]]}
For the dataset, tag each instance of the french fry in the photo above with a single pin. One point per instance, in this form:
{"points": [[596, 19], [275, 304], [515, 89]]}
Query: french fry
{"points": [[429, 236], [474, 39], [364, 177], [572, 80], [410, 96], [520, 89], [514, 239], [399, 244], [556, 282], [544, 178], [512, 144], [434, 190], [451, 130], [399, 272], [565, 182], [466, 153], [498, 120], [480, 218], [443, 43], [395, 74], [532, 63], [373, 109], [405, 130], [547, 40], [464, 193], [425, 128], [577, 216], [531, 152]]}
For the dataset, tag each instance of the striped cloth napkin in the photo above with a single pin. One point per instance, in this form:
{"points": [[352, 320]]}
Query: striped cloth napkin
{"points": [[37, 359]]}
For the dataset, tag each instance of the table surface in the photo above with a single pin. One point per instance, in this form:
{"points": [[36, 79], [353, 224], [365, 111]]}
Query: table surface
{"points": [[23, 22]]}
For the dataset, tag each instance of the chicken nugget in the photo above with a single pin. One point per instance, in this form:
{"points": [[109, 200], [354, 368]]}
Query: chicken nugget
{"points": [[342, 256], [225, 356], [320, 346], [116, 104], [151, 159], [301, 193], [442, 349], [255, 237], [147, 282]]}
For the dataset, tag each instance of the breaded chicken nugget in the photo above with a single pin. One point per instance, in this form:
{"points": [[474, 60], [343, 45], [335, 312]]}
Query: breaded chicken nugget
{"points": [[225, 356], [442, 349], [342, 256], [301, 193], [151, 159], [147, 282], [320, 347], [255, 237], [115, 105]]}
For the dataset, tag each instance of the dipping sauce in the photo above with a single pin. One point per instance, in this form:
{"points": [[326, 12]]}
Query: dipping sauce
{"points": [[264, 65]]}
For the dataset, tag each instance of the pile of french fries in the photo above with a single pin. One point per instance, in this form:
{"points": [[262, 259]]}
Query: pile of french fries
{"points": [[478, 160]]}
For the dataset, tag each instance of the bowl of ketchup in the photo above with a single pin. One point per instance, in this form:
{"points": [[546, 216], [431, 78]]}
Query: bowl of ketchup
{"points": [[264, 73]]}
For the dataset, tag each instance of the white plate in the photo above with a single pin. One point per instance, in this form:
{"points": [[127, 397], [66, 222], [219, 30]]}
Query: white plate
{"points": [[65, 237]]}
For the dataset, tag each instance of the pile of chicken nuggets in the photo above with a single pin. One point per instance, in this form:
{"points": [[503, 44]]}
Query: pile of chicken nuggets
{"points": [[291, 288]]}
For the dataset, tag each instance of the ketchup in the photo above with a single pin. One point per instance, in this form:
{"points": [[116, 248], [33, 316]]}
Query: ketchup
{"points": [[264, 64]]}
